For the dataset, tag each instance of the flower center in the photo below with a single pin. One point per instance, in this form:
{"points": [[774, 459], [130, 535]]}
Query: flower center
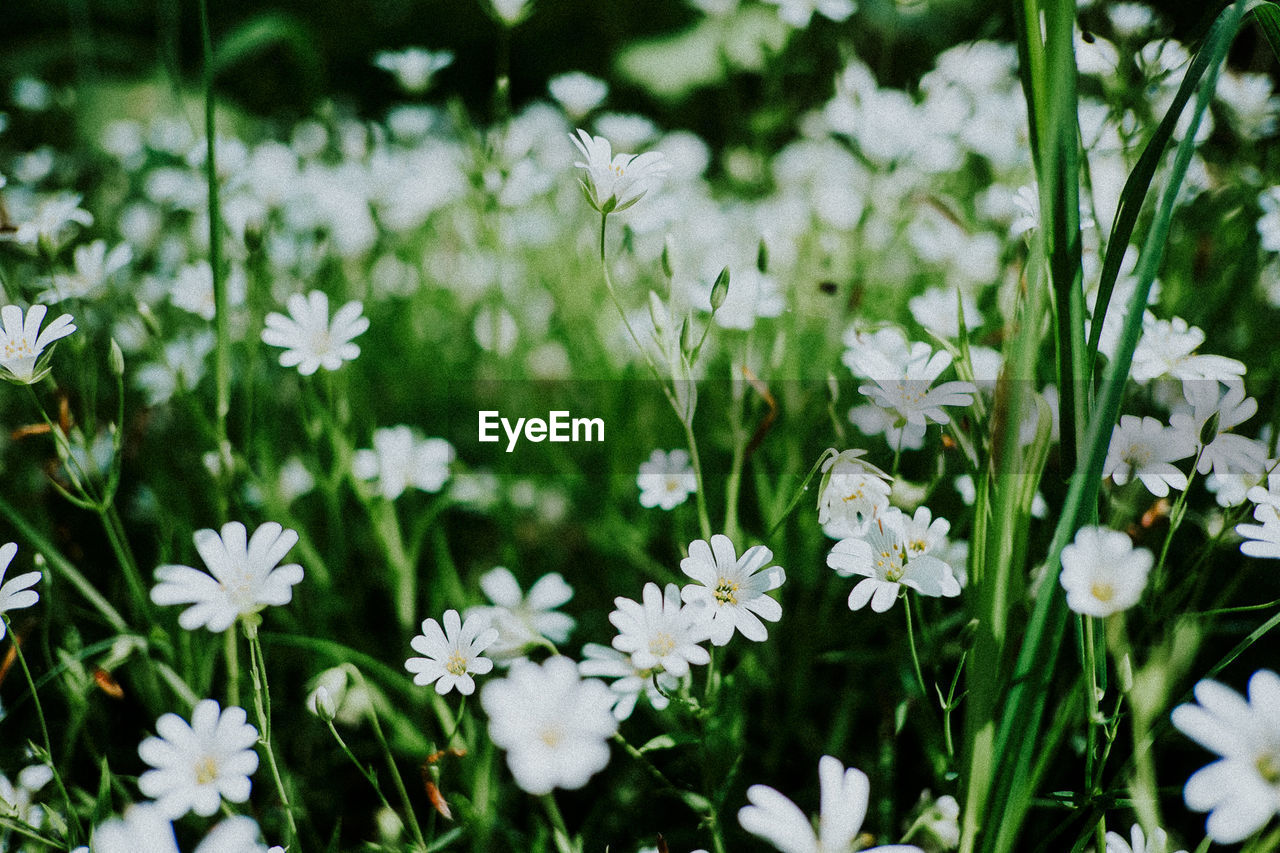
{"points": [[15, 348], [890, 564], [662, 644], [1268, 766], [917, 546], [206, 770], [320, 341], [1139, 455], [726, 591], [552, 736], [673, 485], [456, 664], [1103, 591]]}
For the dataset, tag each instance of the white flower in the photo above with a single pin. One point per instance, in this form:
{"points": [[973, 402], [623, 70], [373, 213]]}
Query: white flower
{"points": [[578, 93], [414, 67], [903, 387], [553, 724], [1145, 448], [1103, 573], [606, 662], [938, 311], [1262, 540], [199, 765], [666, 479], [52, 222], [400, 459], [452, 655], [243, 576], [732, 590], [844, 797], [22, 342], [661, 632], [1158, 843], [17, 799], [94, 265], [145, 829], [1241, 791], [1224, 453], [309, 341], [193, 289], [523, 620], [852, 494], [510, 12], [798, 13], [888, 562], [15, 594], [1167, 348], [615, 183], [871, 420]]}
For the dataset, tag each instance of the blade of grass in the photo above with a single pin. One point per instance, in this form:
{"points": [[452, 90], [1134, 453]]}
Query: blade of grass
{"points": [[1029, 690]]}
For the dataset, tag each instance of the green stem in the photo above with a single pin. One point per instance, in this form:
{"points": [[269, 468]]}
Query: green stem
{"points": [[686, 419], [369, 775], [232, 652], [262, 707], [221, 306], [563, 841], [395, 778], [911, 641], [700, 496], [77, 830]]}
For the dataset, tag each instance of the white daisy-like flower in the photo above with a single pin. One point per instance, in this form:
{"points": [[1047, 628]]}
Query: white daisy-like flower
{"points": [[660, 632], [853, 492], [22, 343], [1139, 843], [888, 562], [1241, 791], [242, 576], [1262, 540], [199, 765], [630, 681], [615, 183], [309, 340], [577, 93], [798, 13], [1224, 452], [938, 310], [845, 794], [871, 420], [666, 479], [400, 459], [731, 590], [1145, 449], [16, 593], [93, 267], [414, 67], [905, 388], [1102, 572], [524, 620], [554, 724], [18, 800], [145, 829], [452, 655], [53, 222], [1168, 348]]}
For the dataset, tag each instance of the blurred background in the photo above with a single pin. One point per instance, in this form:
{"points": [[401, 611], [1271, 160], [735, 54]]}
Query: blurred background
{"points": [[308, 52]]}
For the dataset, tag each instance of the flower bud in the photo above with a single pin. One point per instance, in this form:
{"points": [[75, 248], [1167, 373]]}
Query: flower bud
{"points": [[720, 290], [322, 704], [762, 257], [666, 256], [115, 359]]}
